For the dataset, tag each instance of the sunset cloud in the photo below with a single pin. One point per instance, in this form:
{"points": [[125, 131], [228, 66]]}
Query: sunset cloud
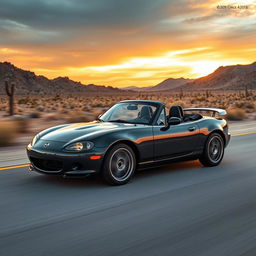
{"points": [[123, 43]]}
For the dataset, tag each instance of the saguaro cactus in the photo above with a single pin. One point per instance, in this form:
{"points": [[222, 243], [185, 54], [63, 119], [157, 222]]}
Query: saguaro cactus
{"points": [[10, 89], [181, 94], [246, 92]]}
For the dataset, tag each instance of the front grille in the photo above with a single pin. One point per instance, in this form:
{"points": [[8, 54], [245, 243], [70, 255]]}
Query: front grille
{"points": [[46, 164]]}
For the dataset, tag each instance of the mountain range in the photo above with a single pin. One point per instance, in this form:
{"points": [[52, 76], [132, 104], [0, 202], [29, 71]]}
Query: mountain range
{"points": [[28, 83], [234, 77], [167, 84], [227, 78]]}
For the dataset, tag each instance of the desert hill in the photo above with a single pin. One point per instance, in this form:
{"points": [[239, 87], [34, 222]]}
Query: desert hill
{"points": [[28, 83], [233, 77], [167, 84]]}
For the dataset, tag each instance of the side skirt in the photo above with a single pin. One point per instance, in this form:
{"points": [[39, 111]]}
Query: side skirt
{"points": [[156, 163]]}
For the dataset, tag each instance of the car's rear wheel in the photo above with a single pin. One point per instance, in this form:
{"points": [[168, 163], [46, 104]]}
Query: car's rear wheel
{"points": [[213, 150], [119, 165]]}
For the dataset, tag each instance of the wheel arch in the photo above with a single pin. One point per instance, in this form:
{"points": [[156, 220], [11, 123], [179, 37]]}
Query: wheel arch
{"points": [[126, 142], [220, 133]]}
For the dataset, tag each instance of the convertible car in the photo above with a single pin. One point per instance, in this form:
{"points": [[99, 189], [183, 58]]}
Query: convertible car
{"points": [[131, 135]]}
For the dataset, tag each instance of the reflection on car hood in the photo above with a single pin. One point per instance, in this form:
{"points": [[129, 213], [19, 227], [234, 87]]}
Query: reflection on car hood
{"points": [[83, 131]]}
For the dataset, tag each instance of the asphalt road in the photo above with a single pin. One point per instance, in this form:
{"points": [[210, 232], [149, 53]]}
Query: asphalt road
{"points": [[180, 209]]}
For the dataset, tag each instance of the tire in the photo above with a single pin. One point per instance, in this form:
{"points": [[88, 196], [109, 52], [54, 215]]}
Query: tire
{"points": [[213, 150], [119, 165]]}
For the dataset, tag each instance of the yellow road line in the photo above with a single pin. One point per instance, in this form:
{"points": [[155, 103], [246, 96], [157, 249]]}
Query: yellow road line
{"points": [[14, 166], [243, 133], [26, 165]]}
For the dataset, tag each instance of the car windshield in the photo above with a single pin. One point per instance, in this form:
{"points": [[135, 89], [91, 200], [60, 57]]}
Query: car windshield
{"points": [[135, 113]]}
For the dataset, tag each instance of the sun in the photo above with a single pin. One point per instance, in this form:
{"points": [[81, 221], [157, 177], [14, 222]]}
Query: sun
{"points": [[203, 68]]}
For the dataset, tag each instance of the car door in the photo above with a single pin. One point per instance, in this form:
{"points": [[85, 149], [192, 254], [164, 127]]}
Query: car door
{"points": [[176, 140]]}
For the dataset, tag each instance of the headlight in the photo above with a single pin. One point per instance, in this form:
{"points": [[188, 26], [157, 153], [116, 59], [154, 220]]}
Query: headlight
{"points": [[80, 146]]}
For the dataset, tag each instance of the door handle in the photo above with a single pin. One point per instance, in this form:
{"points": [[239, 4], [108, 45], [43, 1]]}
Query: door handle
{"points": [[192, 128]]}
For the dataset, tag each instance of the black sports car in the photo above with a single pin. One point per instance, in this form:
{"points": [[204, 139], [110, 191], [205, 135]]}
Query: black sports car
{"points": [[132, 134]]}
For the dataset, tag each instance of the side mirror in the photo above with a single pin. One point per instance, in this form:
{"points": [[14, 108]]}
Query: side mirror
{"points": [[174, 121], [171, 121]]}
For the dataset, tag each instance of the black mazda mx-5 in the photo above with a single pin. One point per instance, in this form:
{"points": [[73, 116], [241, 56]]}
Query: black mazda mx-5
{"points": [[133, 134]]}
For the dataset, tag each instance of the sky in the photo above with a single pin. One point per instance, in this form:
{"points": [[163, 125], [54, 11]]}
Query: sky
{"points": [[127, 42]]}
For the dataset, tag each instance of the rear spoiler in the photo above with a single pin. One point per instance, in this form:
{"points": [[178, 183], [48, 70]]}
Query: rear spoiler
{"points": [[221, 112]]}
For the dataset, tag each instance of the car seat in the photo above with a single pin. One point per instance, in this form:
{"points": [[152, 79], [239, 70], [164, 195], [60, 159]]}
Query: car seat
{"points": [[145, 113], [176, 111]]}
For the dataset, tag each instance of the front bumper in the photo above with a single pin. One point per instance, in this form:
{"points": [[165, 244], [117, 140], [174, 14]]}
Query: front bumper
{"points": [[64, 164]]}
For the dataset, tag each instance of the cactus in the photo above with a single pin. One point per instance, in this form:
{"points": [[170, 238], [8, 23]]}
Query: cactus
{"points": [[10, 88], [181, 94], [246, 91]]}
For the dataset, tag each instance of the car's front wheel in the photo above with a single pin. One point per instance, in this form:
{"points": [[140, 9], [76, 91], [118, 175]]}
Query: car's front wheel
{"points": [[213, 151], [119, 165]]}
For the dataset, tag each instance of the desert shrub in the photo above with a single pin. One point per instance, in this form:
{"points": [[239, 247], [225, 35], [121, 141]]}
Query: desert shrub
{"points": [[77, 117], [35, 115], [40, 109], [21, 122], [236, 114], [250, 106], [181, 103], [7, 132], [63, 111], [2, 108], [53, 116], [98, 105], [23, 101], [202, 98]]}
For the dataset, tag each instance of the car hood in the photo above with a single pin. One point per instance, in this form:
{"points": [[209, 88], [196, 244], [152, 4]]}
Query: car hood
{"points": [[82, 131]]}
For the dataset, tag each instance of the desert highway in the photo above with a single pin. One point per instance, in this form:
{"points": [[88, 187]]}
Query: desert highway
{"points": [[179, 209]]}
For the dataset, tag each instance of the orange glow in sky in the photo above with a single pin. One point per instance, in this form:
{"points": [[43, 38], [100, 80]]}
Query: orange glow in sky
{"points": [[130, 44]]}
